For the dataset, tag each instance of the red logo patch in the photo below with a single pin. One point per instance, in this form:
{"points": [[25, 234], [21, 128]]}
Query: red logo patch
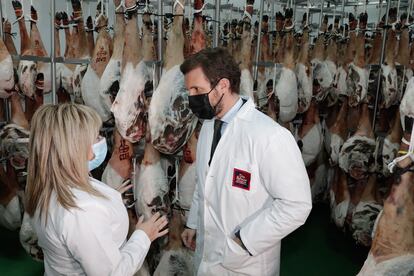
{"points": [[241, 179]]}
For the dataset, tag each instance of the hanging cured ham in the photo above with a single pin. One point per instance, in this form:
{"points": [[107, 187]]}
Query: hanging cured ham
{"points": [[286, 87], [79, 48], [246, 79], [64, 72], [304, 72], [129, 106], [101, 55], [310, 135], [8, 41], [151, 190], [7, 71], [356, 156], [119, 167], [265, 74], [27, 70], [170, 119], [175, 260], [89, 35], [366, 212], [392, 250], [38, 49], [111, 77], [322, 76], [389, 72], [357, 79]]}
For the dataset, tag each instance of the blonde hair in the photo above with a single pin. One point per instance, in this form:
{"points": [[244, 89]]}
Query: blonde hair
{"points": [[61, 137]]}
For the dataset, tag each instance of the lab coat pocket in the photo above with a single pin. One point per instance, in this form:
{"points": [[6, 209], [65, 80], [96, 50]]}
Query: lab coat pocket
{"points": [[234, 257]]}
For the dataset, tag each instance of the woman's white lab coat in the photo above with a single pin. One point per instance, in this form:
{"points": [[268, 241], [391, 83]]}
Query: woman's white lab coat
{"points": [[91, 239], [257, 182]]}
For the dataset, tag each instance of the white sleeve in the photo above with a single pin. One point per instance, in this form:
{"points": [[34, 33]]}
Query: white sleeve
{"points": [[192, 220], [88, 237], [283, 173], [10, 215]]}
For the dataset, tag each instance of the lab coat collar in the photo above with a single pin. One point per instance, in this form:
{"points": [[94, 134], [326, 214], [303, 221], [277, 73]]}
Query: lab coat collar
{"points": [[245, 111]]}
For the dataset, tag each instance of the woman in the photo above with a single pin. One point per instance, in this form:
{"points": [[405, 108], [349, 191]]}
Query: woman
{"points": [[81, 223]]}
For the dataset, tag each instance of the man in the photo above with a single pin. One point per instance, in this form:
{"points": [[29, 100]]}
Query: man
{"points": [[252, 188]]}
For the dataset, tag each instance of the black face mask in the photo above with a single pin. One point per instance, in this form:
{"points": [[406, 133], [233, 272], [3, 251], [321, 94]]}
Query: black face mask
{"points": [[201, 107]]}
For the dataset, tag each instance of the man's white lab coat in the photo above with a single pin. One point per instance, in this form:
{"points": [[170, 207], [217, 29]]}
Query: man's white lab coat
{"points": [[257, 182]]}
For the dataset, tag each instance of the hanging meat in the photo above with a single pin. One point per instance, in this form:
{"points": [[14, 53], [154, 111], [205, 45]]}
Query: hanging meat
{"points": [[404, 72], [119, 167], [303, 71], [341, 75], [176, 259], [374, 61], [338, 134], [246, 79], [69, 37], [357, 81], [14, 143], [392, 250], [38, 49], [10, 210], [148, 46], [79, 49], [323, 79], [387, 147], [17, 115], [366, 212], [27, 70], [310, 135], [278, 49], [151, 189], [8, 41], [331, 93], [111, 77], [101, 55], [129, 106], [340, 197], [287, 87], [187, 37], [32, 104], [89, 35], [198, 36], [389, 73], [6, 67], [64, 72], [170, 119], [356, 156], [265, 73]]}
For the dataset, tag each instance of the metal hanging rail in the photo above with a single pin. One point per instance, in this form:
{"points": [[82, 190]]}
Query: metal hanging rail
{"points": [[160, 39], [259, 38], [216, 24]]}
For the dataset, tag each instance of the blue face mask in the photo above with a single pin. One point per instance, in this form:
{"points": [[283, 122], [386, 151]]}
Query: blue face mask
{"points": [[99, 150]]}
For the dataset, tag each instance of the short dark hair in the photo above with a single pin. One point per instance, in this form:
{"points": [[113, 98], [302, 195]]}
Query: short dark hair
{"points": [[216, 63]]}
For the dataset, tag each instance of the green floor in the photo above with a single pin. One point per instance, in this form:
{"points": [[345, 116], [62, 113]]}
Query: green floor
{"points": [[317, 248]]}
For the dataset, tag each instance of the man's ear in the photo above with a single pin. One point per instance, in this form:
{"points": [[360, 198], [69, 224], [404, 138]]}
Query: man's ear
{"points": [[224, 84]]}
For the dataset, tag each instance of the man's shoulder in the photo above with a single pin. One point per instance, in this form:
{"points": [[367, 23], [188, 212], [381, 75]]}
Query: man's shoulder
{"points": [[262, 125]]}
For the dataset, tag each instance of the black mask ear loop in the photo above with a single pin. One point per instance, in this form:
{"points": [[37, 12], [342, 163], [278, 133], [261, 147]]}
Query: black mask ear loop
{"points": [[222, 95]]}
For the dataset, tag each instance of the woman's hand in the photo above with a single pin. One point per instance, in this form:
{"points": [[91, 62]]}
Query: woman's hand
{"points": [[127, 194], [154, 226]]}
